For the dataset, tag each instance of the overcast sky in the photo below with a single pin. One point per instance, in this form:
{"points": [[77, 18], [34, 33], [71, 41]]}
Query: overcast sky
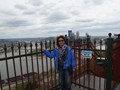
{"points": [[44, 18]]}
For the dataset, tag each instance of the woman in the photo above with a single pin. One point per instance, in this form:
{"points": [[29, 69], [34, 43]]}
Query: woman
{"points": [[65, 62]]}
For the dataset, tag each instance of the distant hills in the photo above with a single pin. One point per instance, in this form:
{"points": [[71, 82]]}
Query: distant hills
{"points": [[22, 40]]}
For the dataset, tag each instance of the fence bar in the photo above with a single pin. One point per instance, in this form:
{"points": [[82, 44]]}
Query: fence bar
{"points": [[51, 66], [32, 66], [105, 69], [12, 47], [0, 82], [74, 44], [88, 61], [109, 63], [100, 59], [42, 65], [47, 66], [84, 66], [54, 65], [5, 49], [79, 62], [26, 59], [19, 48], [94, 82], [36, 45]]}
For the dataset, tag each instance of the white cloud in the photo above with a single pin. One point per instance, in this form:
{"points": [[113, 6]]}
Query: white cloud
{"points": [[36, 18]]}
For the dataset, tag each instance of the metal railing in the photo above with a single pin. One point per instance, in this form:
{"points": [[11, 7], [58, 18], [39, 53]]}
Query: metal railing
{"points": [[25, 67]]}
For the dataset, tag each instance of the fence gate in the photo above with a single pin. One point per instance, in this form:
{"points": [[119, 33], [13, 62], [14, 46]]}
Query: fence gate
{"points": [[97, 64]]}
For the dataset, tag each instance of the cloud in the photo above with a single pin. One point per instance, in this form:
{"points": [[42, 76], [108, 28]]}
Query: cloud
{"points": [[94, 2], [35, 2], [56, 17], [5, 13], [15, 23], [29, 12], [85, 20], [20, 7], [74, 12]]}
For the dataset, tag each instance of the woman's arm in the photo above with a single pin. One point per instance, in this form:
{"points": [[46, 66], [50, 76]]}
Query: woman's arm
{"points": [[48, 54]]}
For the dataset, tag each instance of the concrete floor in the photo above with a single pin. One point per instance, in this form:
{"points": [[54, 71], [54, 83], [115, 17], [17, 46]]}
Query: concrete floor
{"points": [[97, 81]]}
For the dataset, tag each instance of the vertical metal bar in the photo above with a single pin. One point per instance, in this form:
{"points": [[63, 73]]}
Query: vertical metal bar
{"points": [[71, 44], [25, 45], [84, 68], [74, 45], [47, 66], [105, 67], [54, 64], [109, 62], [94, 81], [12, 47], [100, 59], [36, 45], [51, 66], [5, 49], [82, 64], [88, 61], [32, 65], [19, 48], [79, 62], [42, 65], [0, 81]]}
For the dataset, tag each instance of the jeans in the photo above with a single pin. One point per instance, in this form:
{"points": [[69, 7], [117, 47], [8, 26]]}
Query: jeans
{"points": [[65, 79]]}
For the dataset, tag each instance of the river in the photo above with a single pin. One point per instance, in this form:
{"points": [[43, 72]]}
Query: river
{"points": [[3, 69]]}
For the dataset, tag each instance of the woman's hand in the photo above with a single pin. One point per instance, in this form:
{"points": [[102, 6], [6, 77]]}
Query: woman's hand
{"points": [[43, 49]]}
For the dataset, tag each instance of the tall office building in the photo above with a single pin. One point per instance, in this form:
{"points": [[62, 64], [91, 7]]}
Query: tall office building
{"points": [[77, 35], [69, 33]]}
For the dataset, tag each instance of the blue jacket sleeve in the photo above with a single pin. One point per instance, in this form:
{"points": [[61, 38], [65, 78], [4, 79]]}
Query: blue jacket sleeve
{"points": [[50, 55]]}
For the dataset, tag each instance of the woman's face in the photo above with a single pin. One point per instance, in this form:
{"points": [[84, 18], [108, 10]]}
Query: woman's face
{"points": [[61, 42]]}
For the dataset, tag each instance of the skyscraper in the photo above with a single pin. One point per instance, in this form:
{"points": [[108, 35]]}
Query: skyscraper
{"points": [[69, 33], [77, 35]]}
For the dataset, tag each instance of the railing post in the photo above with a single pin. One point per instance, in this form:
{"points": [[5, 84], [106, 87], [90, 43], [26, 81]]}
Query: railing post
{"points": [[88, 63], [109, 63], [0, 82]]}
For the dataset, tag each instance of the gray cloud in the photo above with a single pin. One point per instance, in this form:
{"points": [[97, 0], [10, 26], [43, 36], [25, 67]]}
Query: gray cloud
{"points": [[21, 7], [7, 13], [94, 2], [112, 23], [75, 12], [85, 20], [56, 17], [35, 2], [14, 23], [29, 12]]}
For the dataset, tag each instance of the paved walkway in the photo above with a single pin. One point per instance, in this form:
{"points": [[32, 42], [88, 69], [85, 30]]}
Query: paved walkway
{"points": [[76, 88], [102, 80], [91, 83]]}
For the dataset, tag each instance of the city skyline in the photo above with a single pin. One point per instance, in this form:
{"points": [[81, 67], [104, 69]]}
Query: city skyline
{"points": [[43, 18]]}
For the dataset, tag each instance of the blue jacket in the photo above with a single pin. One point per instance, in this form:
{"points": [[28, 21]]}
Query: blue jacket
{"points": [[70, 60]]}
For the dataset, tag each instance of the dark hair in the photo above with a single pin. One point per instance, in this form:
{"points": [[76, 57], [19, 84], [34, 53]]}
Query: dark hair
{"points": [[61, 36]]}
